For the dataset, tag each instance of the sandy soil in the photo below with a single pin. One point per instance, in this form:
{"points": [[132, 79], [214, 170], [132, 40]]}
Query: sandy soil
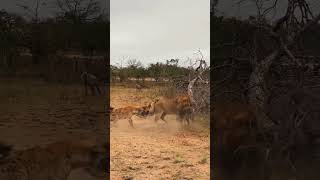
{"points": [[35, 113], [156, 151]]}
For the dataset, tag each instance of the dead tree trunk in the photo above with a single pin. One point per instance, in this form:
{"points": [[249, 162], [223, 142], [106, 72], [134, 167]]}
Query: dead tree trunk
{"points": [[199, 70], [257, 95]]}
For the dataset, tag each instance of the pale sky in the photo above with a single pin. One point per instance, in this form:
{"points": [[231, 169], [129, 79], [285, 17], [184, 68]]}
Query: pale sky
{"points": [[151, 31], [47, 9]]}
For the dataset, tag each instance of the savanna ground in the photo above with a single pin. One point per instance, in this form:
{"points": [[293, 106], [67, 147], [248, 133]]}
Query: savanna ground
{"points": [[34, 112], [156, 151]]}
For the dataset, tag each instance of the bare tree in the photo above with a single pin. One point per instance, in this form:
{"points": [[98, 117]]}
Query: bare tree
{"points": [[36, 45], [78, 11], [134, 63], [285, 32], [199, 77], [32, 11], [213, 5]]}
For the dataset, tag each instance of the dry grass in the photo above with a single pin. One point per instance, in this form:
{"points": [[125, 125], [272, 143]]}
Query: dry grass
{"points": [[156, 151], [127, 93], [29, 92]]}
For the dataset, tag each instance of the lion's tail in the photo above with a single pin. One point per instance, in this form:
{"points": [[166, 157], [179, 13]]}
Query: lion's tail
{"points": [[5, 150]]}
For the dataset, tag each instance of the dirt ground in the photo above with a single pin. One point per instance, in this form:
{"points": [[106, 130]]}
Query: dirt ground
{"points": [[34, 112], [156, 151]]}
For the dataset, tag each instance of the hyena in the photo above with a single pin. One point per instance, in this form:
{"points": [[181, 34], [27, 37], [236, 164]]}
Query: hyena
{"points": [[91, 81]]}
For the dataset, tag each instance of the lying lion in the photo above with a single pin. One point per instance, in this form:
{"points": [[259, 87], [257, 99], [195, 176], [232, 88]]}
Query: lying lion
{"points": [[54, 161]]}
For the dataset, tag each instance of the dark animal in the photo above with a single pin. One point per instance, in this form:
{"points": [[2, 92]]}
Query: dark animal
{"points": [[138, 87], [91, 81], [4, 150]]}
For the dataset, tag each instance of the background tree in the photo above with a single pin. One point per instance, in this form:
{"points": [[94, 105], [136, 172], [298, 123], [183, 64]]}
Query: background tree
{"points": [[78, 11], [285, 33], [12, 32], [80, 18], [262, 58], [134, 68], [35, 39], [213, 5]]}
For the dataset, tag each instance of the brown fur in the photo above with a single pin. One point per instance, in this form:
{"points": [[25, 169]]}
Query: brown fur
{"points": [[233, 124], [55, 161], [128, 112], [180, 106], [238, 155]]}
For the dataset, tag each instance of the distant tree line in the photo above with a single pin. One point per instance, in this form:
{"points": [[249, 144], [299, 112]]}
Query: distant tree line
{"points": [[79, 25], [157, 71], [234, 38]]}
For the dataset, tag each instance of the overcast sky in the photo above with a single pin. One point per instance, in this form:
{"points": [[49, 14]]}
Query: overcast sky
{"points": [[48, 7], [150, 31]]}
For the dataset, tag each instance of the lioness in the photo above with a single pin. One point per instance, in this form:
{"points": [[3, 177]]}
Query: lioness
{"points": [[180, 106], [128, 112], [233, 124], [55, 161]]}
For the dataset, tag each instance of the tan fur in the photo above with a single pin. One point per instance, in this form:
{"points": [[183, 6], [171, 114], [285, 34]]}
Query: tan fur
{"points": [[179, 106], [128, 112], [54, 161], [233, 124]]}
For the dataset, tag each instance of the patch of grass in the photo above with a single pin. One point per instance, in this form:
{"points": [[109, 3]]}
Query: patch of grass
{"points": [[178, 159], [203, 160]]}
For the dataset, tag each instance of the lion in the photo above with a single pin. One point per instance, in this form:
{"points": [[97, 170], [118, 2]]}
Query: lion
{"points": [[180, 106], [128, 112], [235, 138], [55, 161], [233, 124]]}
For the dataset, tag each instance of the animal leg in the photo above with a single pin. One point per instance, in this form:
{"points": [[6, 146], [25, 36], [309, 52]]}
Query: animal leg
{"points": [[114, 122], [156, 118], [98, 89], [180, 119], [185, 121], [85, 84], [188, 121], [189, 117], [162, 117], [130, 122]]}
